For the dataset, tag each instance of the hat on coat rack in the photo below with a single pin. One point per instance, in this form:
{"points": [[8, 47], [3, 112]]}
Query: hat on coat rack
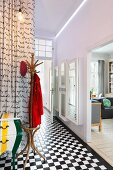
{"points": [[23, 68]]}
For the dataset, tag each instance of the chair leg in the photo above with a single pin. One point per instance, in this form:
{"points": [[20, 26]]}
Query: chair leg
{"points": [[22, 151], [13, 162]]}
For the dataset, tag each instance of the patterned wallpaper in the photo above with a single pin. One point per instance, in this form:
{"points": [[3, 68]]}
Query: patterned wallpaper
{"points": [[16, 44]]}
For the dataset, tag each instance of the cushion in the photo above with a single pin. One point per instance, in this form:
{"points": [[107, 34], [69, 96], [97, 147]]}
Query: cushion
{"points": [[106, 103]]}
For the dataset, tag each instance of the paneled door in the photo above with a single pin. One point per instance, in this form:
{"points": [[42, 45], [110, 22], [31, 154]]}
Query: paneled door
{"points": [[62, 91]]}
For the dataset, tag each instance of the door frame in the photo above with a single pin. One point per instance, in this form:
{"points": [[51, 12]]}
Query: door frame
{"points": [[88, 102], [51, 90]]}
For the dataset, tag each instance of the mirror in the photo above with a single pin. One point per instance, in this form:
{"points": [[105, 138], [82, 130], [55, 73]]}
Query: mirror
{"points": [[72, 93], [62, 90]]}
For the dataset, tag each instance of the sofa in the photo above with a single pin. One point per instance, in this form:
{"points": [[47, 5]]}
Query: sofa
{"points": [[106, 112]]}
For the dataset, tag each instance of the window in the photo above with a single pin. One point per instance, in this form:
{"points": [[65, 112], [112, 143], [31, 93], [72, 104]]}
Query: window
{"points": [[43, 48], [94, 78]]}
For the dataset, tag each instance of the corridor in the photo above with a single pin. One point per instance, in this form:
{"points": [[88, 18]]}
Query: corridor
{"points": [[62, 150]]}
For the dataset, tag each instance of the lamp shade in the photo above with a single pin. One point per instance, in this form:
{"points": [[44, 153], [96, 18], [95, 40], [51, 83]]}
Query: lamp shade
{"points": [[23, 68]]}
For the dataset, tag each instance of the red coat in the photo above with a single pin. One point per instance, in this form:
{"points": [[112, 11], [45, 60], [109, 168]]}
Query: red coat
{"points": [[37, 105]]}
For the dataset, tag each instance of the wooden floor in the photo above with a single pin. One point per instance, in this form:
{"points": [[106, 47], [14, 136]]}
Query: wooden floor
{"points": [[102, 142]]}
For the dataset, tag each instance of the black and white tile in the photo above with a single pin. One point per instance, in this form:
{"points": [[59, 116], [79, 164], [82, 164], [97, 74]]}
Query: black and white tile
{"points": [[62, 150]]}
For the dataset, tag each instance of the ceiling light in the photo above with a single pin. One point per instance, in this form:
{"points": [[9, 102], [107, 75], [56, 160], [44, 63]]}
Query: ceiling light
{"points": [[73, 15]]}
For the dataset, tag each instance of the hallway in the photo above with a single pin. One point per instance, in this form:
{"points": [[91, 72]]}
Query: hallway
{"points": [[62, 149]]}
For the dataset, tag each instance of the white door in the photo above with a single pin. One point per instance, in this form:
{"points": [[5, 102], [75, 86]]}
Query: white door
{"points": [[46, 79], [51, 73], [62, 91]]}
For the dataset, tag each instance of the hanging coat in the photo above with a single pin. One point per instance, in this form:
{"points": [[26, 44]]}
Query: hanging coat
{"points": [[37, 104]]}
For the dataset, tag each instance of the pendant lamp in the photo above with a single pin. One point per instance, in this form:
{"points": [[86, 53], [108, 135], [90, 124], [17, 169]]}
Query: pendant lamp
{"points": [[20, 14]]}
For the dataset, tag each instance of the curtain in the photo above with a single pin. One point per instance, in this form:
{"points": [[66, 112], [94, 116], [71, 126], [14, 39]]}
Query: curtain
{"points": [[101, 67], [16, 45]]}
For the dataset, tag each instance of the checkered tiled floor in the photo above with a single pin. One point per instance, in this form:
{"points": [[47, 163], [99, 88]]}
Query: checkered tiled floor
{"points": [[62, 149]]}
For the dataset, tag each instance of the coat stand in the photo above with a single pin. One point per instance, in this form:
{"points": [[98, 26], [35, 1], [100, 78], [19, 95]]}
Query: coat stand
{"points": [[29, 130]]}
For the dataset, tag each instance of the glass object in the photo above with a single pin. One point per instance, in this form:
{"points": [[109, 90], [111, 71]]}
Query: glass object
{"points": [[42, 42], [48, 48], [41, 48], [48, 43], [48, 54], [41, 53], [36, 53], [44, 47]]}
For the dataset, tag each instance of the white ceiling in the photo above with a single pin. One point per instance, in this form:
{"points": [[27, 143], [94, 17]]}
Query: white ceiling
{"points": [[51, 15], [105, 49]]}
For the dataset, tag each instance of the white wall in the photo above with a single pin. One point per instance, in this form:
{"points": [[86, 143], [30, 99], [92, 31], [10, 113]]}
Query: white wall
{"points": [[45, 81], [92, 26]]}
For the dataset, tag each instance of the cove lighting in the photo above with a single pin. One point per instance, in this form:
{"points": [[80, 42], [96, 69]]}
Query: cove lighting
{"points": [[73, 15]]}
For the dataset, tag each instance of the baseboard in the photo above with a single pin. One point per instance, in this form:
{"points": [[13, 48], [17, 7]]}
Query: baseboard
{"points": [[47, 109]]}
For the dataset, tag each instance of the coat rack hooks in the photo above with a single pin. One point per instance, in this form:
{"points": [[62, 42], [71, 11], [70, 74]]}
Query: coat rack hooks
{"points": [[31, 131]]}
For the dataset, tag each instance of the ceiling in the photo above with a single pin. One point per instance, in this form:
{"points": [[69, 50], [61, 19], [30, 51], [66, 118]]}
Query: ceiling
{"points": [[51, 15], [104, 49]]}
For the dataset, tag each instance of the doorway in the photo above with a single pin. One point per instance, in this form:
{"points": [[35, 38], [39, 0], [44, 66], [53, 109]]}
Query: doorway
{"points": [[101, 59], [46, 81]]}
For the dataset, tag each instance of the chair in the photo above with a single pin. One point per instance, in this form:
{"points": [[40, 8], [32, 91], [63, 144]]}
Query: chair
{"points": [[96, 115]]}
